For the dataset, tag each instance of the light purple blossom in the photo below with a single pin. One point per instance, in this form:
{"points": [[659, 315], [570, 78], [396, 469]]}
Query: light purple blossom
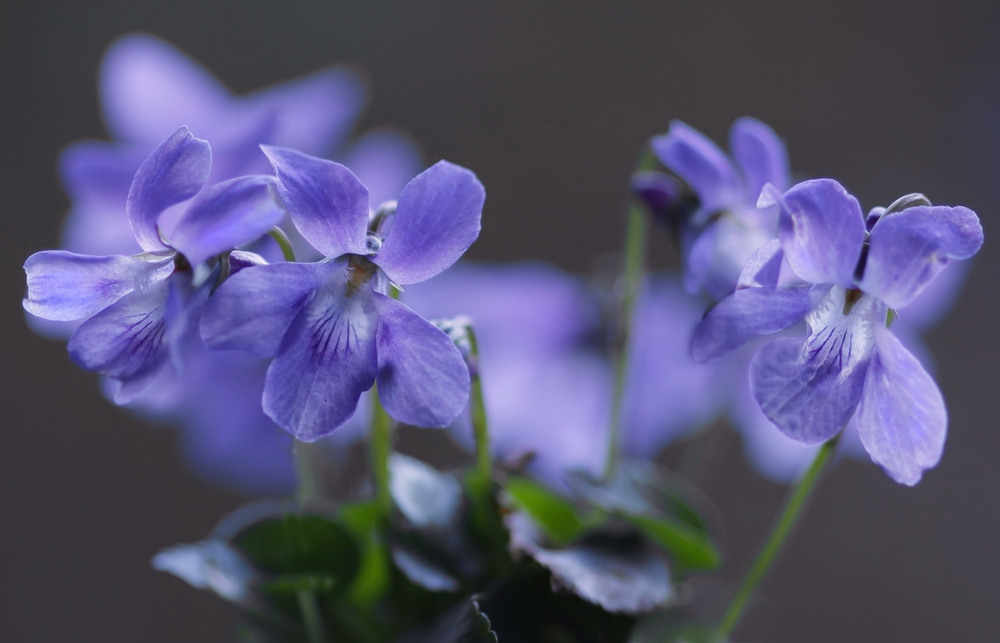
{"points": [[854, 273], [138, 311], [148, 89], [331, 326], [715, 213]]}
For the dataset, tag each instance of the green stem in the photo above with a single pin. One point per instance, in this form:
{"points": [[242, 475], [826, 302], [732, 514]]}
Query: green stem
{"points": [[381, 447], [309, 487], [283, 242], [484, 463], [635, 258], [789, 516], [311, 618]]}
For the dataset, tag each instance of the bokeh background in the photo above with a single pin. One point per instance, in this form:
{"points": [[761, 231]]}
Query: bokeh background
{"points": [[549, 104]]}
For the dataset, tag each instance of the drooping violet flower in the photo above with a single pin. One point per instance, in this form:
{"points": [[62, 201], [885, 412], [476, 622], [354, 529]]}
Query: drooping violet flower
{"points": [[714, 213], [854, 274], [331, 327], [148, 89], [139, 310]]}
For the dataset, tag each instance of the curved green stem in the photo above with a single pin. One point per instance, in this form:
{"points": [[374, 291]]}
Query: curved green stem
{"points": [[283, 242], [381, 447], [311, 617], [794, 504], [309, 487], [477, 408]]}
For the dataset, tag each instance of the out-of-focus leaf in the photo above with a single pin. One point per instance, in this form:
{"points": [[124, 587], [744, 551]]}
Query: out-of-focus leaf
{"points": [[213, 565], [425, 496], [372, 578], [426, 573], [297, 545], [557, 517], [668, 627], [619, 572], [463, 623], [688, 547]]}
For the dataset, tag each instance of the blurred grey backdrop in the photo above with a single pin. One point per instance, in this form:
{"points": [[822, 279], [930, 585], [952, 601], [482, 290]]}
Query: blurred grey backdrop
{"points": [[548, 103]]}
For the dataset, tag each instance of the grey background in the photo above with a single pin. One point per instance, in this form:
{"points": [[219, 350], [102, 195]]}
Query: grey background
{"points": [[548, 103]]}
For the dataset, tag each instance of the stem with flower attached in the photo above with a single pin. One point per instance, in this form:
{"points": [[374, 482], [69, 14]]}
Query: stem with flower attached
{"points": [[635, 259], [794, 505], [308, 488], [477, 408]]}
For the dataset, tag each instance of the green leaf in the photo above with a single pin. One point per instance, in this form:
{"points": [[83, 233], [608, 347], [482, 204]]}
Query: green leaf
{"points": [[557, 517], [372, 578], [688, 547], [295, 546]]}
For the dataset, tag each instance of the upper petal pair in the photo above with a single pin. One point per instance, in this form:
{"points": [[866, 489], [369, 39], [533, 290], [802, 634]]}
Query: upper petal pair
{"points": [[437, 217]]}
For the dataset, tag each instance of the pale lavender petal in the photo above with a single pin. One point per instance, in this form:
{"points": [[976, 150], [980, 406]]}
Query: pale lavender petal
{"points": [[902, 419], [436, 220], [385, 160], [810, 389], [63, 286], [422, 378], [667, 394], [908, 249], [760, 155], [692, 156], [719, 253], [326, 361], [149, 89], [315, 112], [327, 203], [935, 301], [181, 314], [747, 313], [126, 339], [253, 308], [822, 231], [763, 268], [174, 172], [227, 215]]}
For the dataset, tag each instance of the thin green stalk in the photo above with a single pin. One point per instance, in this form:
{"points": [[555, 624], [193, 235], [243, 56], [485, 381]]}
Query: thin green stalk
{"points": [[283, 242], [311, 617], [789, 516], [484, 463], [380, 443], [635, 258], [309, 487]]}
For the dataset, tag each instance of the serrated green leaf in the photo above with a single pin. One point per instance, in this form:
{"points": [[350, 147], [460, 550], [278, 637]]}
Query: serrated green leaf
{"points": [[557, 517]]}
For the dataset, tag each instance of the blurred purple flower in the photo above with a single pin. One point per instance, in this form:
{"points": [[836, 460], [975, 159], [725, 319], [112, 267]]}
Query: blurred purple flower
{"points": [[853, 277], [137, 311], [714, 213], [148, 89], [330, 326]]}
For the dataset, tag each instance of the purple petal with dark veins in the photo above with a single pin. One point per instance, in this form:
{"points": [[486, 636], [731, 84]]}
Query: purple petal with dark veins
{"points": [[902, 419], [126, 339], [810, 389], [63, 286], [747, 313], [822, 231], [253, 309], [174, 172], [692, 156], [227, 215], [436, 220], [326, 361], [327, 203], [909, 248], [760, 155], [422, 378]]}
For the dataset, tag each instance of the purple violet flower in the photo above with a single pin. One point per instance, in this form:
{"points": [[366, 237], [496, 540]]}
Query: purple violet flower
{"points": [[138, 310], [852, 279], [148, 89], [331, 326], [715, 215]]}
